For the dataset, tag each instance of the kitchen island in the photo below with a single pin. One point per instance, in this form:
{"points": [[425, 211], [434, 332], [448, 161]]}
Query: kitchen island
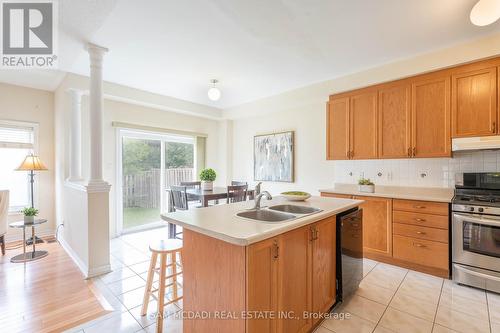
{"points": [[243, 275]]}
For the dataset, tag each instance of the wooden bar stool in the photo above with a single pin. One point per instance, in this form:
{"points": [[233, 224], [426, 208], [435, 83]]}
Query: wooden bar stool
{"points": [[170, 258]]}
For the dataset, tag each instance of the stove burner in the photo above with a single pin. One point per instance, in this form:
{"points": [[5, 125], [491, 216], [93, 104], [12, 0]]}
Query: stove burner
{"points": [[490, 199], [486, 199]]}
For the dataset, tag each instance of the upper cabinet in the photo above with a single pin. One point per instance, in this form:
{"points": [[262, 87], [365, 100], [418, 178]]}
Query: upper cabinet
{"points": [[363, 126], [415, 117], [474, 103], [431, 116], [394, 121], [337, 120], [352, 127]]}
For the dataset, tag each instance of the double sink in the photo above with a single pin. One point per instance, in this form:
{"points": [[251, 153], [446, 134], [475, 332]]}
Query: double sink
{"points": [[278, 213]]}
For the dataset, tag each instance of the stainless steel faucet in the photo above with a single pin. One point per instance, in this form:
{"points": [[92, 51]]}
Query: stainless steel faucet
{"points": [[257, 188], [259, 197]]}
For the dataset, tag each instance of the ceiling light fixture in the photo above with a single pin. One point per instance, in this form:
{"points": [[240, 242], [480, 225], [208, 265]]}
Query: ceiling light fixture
{"points": [[214, 92], [485, 12]]}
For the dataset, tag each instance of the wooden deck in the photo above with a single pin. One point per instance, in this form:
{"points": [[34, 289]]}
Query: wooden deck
{"points": [[48, 295]]}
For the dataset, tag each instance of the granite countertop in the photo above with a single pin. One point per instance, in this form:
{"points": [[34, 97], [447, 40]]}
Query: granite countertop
{"points": [[222, 223], [436, 194]]}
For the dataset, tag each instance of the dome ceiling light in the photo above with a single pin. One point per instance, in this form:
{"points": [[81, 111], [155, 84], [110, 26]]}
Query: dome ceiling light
{"points": [[214, 92], [485, 12]]}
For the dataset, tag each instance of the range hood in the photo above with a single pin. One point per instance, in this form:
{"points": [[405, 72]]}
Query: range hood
{"points": [[476, 143]]}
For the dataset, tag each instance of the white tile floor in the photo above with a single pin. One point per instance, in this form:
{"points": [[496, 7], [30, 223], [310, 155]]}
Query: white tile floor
{"points": [[124, 287], [393, 299], [390, 299]]}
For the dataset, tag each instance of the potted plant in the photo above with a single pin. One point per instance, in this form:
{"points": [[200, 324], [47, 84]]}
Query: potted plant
{"points": [[29, 214], [366, 185], [207, 177]]}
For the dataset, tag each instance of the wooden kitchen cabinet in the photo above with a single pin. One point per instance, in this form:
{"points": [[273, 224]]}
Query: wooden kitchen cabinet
{"points": [[352, 127], [474, 103], [294, 276], [324, 269], [377, 226], [337, 131], [394, 121], [335, 195], [295, 271], [262, 285], [431, 116], [363, 126]]}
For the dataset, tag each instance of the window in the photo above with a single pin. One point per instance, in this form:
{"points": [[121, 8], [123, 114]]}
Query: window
{"points": [[17, 139]]}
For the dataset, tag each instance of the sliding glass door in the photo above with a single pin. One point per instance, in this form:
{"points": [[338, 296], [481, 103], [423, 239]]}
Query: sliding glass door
{"points": [[148, 164]]}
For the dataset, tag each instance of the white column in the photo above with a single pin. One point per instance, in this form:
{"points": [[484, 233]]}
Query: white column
{"points": [[75, 169], [96, 54]]}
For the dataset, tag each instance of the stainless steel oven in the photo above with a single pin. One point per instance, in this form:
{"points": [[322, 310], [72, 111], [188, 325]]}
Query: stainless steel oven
{"points": [[476, 247]]}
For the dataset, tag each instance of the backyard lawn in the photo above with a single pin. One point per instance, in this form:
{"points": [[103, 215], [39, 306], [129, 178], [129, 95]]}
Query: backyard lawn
{"points": [[136, 216]]}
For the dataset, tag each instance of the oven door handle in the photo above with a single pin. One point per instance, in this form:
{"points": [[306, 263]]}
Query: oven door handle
{"points": [[475, 219], [478, 274]]}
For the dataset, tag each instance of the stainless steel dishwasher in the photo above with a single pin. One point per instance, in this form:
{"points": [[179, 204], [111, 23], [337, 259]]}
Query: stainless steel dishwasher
{"points": [[349, 252]]}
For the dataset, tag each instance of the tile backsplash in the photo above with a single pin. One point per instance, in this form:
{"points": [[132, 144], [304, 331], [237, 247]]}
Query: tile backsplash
{"points": [[428, 172]]}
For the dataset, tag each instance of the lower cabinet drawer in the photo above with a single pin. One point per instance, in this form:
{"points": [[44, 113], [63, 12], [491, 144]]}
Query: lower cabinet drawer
{"points": [[433, 234], [420, 219], [438, 208], [420, 251]]}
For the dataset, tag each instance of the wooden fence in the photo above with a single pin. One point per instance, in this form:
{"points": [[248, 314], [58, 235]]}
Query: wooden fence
{"points": [[143, 189]]}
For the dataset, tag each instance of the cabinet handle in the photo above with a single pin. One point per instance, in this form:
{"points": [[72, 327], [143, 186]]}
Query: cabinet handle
{"points": [[276, 249], [419, 207], [493, 127], [314, 233], [418, 245], [420, 233], [419, 220]]}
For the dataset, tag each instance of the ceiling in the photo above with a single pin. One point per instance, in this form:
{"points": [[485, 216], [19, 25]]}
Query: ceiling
{"points": [[255, 48]]}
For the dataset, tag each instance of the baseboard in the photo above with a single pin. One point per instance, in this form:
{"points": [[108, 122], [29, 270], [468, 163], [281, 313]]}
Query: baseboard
{"points": [[99, 271], [76, 259], [41, 233]]}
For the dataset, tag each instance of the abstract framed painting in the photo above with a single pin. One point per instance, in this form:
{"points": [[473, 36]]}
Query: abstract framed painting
{"points": [[273, 157]]}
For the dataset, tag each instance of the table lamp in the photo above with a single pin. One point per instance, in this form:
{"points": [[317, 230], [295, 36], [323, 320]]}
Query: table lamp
{"points": [[32, 163]]}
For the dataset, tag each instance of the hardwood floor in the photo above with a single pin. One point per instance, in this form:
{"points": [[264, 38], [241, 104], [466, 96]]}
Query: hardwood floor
{"points": [[48, 295]]}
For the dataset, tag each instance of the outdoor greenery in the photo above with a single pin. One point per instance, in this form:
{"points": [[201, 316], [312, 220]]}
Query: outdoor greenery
{"points": [[29, 211], [208, 175], [136, 216], [143, 155], [179, 155]]}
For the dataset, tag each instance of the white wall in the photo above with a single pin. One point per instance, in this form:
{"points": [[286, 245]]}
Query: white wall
{"points": [[138, 115], [303, 110], [137, 110], [312, 171], [36, 106]]}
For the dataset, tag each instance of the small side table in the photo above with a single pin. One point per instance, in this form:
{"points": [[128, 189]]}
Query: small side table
{"points": [[34, 254]]}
